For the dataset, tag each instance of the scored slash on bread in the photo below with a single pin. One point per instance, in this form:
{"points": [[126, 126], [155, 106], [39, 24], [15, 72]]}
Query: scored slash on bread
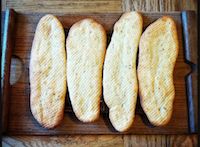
{"points": [[158, 51], [86, 46], [120, 85], [48, 72]]}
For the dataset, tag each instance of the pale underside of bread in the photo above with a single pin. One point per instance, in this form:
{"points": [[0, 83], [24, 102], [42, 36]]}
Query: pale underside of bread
{"points": [[120, 85], [158, 51], [48, 72], [86, 46]]}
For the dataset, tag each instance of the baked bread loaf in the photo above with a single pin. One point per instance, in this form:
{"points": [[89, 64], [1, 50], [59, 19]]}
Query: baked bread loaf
{"points": [[120, 85], [158, 51], [48, 72], [86, 46]]}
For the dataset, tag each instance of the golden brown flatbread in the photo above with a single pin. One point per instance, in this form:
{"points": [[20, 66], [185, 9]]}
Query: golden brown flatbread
{"points": [[86, 46], [120, 85], [48, 72], [158, 51]]}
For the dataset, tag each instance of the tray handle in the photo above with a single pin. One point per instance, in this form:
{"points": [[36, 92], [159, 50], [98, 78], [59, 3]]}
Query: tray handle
{"points": [[189, 21], [7, 46]]}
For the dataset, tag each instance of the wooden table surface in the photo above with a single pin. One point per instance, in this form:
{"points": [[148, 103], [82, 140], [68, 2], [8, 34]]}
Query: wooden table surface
{"points": [[103, 6]]}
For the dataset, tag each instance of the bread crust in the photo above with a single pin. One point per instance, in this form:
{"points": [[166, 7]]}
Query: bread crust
{"points": [[48, 72], [120, 85], [86, 46], [158, 51]]}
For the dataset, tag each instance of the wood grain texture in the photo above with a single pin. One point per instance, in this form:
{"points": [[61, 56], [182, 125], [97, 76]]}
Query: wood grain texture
{"points": [[7, 47], [160, 140], [64, 6], [190, 43], [72, 141], [159, 5], [172, 4], [102, 141]]}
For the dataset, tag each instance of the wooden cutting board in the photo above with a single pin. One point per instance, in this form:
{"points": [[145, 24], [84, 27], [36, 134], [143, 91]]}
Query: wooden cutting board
{"points": [[18, 35]]}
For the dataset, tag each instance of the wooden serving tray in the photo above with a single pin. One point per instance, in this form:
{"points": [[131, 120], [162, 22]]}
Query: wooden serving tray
{"points": [[18, 34]]}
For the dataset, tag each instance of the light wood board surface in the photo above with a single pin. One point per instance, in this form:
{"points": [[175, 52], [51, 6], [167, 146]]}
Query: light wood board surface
{"points": [[102, 140], [103, 6]]}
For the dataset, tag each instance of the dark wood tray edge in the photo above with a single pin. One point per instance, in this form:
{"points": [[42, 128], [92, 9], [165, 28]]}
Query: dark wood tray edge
{"points": [[189, 21], [7, 46]]}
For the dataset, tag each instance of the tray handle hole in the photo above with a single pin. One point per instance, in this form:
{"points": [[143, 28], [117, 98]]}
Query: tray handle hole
{"points": [[15, 69]]}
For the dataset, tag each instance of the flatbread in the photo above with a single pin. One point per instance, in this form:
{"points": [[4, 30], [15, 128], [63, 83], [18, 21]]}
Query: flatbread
{"points": [[120, 85], [158, 51], [48, 72], [86, 46]]}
